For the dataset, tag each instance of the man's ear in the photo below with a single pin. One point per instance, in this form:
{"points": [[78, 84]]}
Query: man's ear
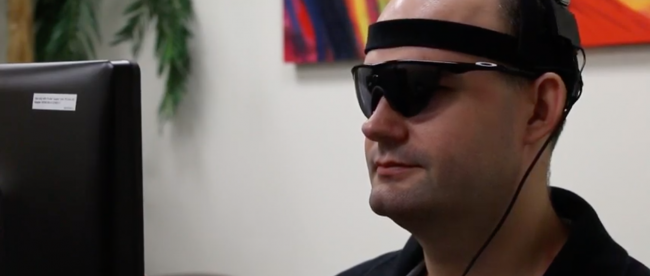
{"points": [[549, 97]]}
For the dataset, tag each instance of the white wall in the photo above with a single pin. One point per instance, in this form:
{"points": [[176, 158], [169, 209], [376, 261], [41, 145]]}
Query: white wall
{"points": [[263, 173]]}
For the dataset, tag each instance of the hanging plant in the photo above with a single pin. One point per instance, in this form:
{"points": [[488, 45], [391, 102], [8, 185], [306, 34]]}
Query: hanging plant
{"points": [[68, 30], [65, 30], [171, 18]]}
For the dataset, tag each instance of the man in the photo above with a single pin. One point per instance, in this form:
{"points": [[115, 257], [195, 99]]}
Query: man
{"points": [[447, 170]]}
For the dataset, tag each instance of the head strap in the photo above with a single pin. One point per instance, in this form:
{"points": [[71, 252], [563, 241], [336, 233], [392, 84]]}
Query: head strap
{"points": [[442, 35], [466, 39]]}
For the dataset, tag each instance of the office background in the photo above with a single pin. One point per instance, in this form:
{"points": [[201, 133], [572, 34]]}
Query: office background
{"points": [[262, 172]]}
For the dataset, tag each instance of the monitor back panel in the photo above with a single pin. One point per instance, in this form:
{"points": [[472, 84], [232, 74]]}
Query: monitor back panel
{"points": [[59, 173]]}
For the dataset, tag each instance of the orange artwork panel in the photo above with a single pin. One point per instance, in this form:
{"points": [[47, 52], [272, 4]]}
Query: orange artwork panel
{"points": [[612, 22]]}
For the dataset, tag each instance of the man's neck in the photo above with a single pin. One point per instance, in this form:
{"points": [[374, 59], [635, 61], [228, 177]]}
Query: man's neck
{"points": [[525, 245]]}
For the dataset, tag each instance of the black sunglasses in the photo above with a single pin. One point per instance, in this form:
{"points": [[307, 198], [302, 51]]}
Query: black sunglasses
{"points": [[409, 85]]}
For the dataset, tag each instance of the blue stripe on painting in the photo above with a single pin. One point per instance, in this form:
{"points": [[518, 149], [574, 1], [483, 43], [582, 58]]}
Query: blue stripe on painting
{"points": [[320, 29]]}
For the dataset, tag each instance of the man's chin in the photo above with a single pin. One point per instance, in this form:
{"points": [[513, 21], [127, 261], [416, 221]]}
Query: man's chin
{"points": [[411, 209], [395, 201]]}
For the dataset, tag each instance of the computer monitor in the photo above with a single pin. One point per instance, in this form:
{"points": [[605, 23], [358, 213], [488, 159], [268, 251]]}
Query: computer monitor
{"points": [[71, 169]]}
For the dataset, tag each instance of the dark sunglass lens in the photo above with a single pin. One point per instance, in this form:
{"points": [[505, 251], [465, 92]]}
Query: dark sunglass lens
{"points": [[363, 84], [414, 84], [407, 87]]}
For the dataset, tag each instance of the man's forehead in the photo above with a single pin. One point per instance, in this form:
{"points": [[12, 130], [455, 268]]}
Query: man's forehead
{"points": [[482, 13]]}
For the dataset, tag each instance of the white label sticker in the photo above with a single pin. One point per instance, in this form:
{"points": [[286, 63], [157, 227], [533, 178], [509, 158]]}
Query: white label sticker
{"points": [[60, 102]]}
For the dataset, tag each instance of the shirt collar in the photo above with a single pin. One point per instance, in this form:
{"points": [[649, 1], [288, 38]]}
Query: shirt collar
{"points": [[589, 249]]}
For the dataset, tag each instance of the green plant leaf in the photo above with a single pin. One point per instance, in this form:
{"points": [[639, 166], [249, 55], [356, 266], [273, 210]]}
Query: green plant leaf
{"points": [[171, 19], [66, 30], [134, 30]]}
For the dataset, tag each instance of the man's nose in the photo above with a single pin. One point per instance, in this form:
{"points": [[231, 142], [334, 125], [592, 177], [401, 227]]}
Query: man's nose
{"points": [[385, 125]]}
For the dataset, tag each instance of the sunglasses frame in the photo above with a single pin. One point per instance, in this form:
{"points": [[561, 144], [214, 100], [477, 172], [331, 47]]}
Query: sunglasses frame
{"points": [[448, 66], [453, 67]]}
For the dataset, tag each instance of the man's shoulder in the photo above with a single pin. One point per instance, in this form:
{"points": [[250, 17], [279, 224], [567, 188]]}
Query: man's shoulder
{"points": [[376, 267], [636, 268], [385, 264]]}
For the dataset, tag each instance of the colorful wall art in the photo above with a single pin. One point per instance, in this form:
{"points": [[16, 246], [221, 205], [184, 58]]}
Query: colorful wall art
{"points": [[335, 30]]}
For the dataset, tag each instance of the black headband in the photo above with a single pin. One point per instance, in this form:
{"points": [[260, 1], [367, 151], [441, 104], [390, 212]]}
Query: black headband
{"points": [[544, 55], [442, 35]]}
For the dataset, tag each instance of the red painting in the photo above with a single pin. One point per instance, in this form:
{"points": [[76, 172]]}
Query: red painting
{"points": [[612, 22]]}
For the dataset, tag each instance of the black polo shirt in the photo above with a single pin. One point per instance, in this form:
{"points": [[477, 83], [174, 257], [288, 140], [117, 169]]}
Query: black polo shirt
{"points": [[589, 250]]}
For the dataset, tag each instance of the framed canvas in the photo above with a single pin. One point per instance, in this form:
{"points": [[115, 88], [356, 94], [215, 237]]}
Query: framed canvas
{"points": [[612, 22], [335, 30]]}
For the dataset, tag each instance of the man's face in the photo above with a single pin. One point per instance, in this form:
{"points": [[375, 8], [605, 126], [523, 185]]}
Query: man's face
{"points": [[462, 153]]}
